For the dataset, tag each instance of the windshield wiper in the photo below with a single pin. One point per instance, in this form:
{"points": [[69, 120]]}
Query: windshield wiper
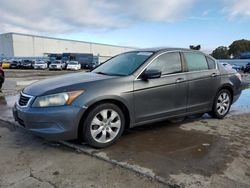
{"points": [[110, 74], [101, 73], [116, 74]]}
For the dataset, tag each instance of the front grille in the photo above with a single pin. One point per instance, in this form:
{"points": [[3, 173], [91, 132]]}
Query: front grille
{"points": [[23, 100]]}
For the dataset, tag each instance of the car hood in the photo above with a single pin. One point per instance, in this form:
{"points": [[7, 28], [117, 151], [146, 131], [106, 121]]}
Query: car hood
{"points": [[69, 82]]}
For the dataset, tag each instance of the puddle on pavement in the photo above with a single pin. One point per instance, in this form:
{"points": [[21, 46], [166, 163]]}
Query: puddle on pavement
{"points": [[8, 101], [166, 149], [3, 101], [242, 105]]}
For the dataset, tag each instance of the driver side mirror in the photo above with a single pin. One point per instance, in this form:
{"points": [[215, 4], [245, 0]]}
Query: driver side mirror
{"points": [[151, 74]]}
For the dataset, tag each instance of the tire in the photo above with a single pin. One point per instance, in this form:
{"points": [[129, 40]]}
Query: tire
{"points": [[222, 104], [100, 129]]}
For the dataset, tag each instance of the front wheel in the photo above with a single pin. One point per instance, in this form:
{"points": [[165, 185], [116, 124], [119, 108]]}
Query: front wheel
{"points": [[222, 104], [104, 125]]}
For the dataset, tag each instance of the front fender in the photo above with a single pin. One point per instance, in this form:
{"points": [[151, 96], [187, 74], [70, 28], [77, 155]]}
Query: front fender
{"points": [[126, 101]]}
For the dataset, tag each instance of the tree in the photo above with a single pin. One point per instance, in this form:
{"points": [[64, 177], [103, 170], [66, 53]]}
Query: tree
{"points": [[220, 53], [198, 47], [239, 46]]}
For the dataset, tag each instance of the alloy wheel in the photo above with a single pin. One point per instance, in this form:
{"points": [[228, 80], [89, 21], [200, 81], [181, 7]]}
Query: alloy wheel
{"points": [[223, 103], [105, 126]]}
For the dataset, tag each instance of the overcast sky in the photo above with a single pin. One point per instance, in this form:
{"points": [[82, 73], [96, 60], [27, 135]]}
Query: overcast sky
{"points": [[139, 23]]}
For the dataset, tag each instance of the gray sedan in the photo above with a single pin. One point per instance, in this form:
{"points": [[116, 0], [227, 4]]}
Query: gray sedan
{"points": [[129, 90]]}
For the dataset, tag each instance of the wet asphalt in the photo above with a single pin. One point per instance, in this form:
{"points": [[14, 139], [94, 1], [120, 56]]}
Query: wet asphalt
{"points": [[167, 149]]}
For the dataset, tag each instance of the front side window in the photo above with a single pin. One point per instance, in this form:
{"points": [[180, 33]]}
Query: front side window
{"points": [[195, 61], [167, 63]]}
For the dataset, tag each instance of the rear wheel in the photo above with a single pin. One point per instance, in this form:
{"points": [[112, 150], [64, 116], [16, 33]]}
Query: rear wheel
{"points": [[104, 125], [222, 104]]}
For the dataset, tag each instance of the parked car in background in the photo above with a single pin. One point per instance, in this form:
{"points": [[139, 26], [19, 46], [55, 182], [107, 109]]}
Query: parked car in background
{"points": [[247, 68], [128, 90], [57, 65], [236, 67], [26, 64], [73, 65], [5, 64], [14, 64], [227, 65], [91, 66], [40, 64], [82, 58], [1, 76]]}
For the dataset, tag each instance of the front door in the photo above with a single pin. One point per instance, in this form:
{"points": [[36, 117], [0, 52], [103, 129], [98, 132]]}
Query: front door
{"points": [[165, 96]]}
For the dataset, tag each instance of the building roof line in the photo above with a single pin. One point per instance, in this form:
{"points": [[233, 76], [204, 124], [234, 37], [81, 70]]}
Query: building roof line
{"points": [[55, 38]]}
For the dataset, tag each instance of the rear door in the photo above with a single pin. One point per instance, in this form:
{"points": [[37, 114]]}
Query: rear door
{"points": [[203, 79], [164, 96]]}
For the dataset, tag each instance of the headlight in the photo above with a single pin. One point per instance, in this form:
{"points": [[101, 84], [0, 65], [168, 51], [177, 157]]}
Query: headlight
{"points": [[58, 99]]}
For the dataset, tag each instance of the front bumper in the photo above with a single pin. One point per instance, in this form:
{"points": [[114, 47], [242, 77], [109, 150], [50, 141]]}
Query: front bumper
{"points": [[55, 68], [26, 66], [52, 123], [39, 67], [72, 68]]}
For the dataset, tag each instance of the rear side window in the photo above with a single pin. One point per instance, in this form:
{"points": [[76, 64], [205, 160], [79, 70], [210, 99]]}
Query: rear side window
{"points": [[211, 63], [167, 63], [195, 61]]}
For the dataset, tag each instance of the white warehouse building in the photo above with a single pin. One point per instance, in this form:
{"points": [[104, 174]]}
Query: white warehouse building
{"points": [[23, 45]]}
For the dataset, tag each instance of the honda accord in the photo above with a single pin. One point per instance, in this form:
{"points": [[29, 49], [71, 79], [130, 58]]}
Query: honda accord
{"points": [[129, 90]]}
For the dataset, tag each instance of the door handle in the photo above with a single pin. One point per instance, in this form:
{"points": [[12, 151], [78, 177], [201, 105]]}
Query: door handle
{"points": [[213, 74], [178, 80]]}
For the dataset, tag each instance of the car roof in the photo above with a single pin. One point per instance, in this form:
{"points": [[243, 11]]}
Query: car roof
{"points": [[159, 49]]}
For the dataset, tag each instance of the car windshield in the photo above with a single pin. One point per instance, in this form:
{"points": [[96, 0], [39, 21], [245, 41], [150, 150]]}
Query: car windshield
{"points": [[73, 63], [52, 58], [65, 58], [123, 64], [57, 62]]}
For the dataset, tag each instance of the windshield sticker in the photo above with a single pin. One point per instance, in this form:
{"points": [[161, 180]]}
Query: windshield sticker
{"points": [[144, 53]]}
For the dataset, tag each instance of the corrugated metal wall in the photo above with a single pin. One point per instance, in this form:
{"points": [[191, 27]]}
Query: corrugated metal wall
{"points": [[34, 46], [6, 45]]}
